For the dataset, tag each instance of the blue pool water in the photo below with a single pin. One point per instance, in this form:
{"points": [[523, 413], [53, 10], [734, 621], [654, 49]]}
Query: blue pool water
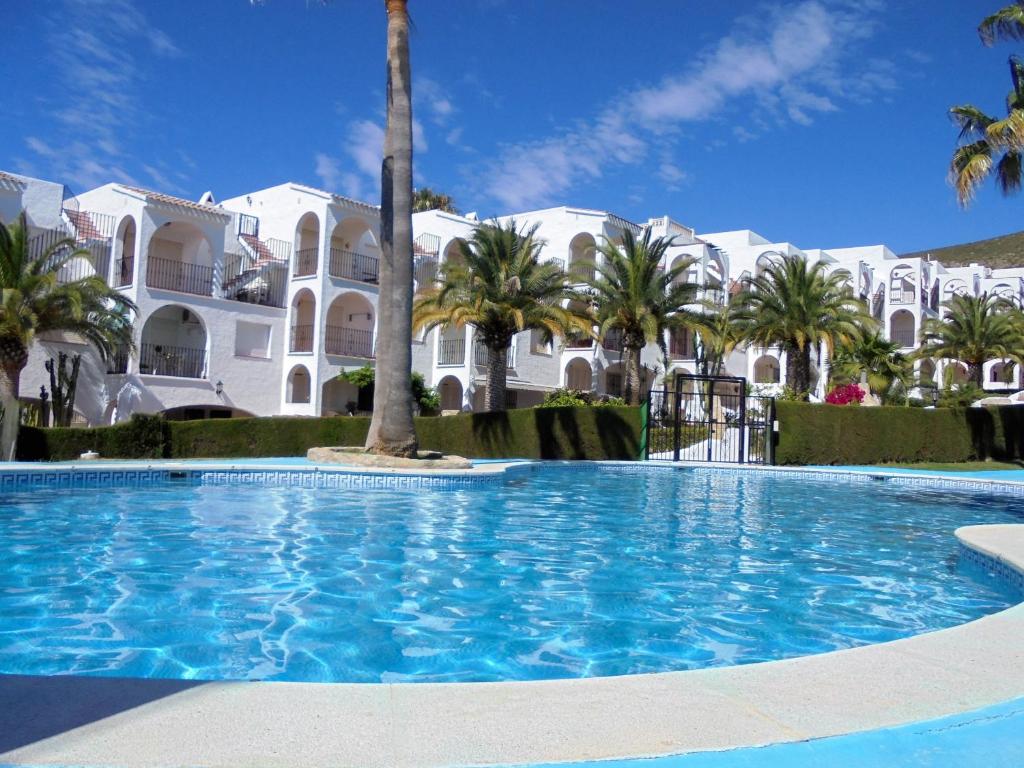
{"points": [[553, 573]]}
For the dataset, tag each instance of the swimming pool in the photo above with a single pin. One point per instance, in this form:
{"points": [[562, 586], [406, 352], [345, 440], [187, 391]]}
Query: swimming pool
{"points": [[555, 573]]}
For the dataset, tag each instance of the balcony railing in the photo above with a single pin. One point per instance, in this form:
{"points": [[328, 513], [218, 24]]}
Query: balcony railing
{"points": [[481, 353], [305, 262], [180, 276], [613, 341], [352, 342], [902, 296], [579, 342], [118, 360], [904, 337], [124, 271], [165, 360], [78, 268], [581, 271], [451, 352], [255, 282], [425, 271], [301, 339], [354, 266]]}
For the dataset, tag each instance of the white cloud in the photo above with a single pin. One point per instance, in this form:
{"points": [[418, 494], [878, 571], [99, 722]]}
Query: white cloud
{"points": [[782, 65], [327, 170]]}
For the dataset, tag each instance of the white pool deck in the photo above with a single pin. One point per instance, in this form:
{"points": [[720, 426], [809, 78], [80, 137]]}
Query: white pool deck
{"points": [[131, 722]]}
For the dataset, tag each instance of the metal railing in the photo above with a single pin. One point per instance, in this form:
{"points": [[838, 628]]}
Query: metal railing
{"points": [[481, 353], [902, 296], [124, 271], [613, 341], [180, 276], [263, 282], [77, 268], [425, 270], [248, 225], [579, 342], [451, 352], [354, 266], [118, 360], [904, 337], [165, 360], [301, 339], [305, 262], [581, 271], [353, 342]]}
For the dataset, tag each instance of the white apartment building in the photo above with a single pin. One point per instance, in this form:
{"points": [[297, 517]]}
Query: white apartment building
{"points": [[255, 304]]}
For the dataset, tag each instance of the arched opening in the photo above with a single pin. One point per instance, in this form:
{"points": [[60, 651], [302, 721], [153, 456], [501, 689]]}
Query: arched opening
{"points": [[1003, 291], [714, 275], [689, 275], [180, 259], [764, 261], [901, 328], [681, 344], [124, 253], [954, 288], [1002, 373], [845, 277], [298, 388], [173, 344], [450, 390], [451, 346], [578, 340], [354, 254], [955, 374], [767, 370], [579, 375], [303, 321], [349, 328], [902, 286], [582, 257], [343, 398], [307, 245]]}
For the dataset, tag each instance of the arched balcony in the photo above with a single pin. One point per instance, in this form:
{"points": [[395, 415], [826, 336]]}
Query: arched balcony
{"points": [[303, 321], [902, 328], [349, 330], [299, 385], [450, 390], [579, 375], [354, 253], [174, 343], [902, 286], [451, 346], [582, 257], [180, 258], [767, 370], [306, 246], [124, 252]]}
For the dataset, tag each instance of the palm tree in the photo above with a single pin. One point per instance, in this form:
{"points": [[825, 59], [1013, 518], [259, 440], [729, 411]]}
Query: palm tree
{"points": [[34, 301], [392, 430], [988, 145], [795, 305], [719, 332], [635, 296], [975, 329], [877, 360], [500, 289], [426, 199]]}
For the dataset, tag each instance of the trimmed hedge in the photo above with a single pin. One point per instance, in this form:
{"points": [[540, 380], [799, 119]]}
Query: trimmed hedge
{"points": [[541, 433], [843, 434]]}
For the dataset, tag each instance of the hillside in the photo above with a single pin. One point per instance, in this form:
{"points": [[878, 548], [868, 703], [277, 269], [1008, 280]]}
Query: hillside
{"points": [[996, 252]]}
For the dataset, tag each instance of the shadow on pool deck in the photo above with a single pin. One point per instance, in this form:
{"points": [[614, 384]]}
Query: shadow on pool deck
{"points": [[33, 708]]}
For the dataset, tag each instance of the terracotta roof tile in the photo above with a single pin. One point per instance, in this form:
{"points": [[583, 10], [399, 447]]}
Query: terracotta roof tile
{"points": [[160, 197]]}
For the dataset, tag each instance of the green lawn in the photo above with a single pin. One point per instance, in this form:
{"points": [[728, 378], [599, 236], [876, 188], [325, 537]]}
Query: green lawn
{"points": [[966, 466]]}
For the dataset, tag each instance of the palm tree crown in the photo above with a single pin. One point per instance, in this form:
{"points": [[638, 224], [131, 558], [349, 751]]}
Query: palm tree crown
{"points": [[636, 296], [426, 199], [1005, 24], [35, 301], [795, 305], [887, 370], [974, 329], [500, 288]]}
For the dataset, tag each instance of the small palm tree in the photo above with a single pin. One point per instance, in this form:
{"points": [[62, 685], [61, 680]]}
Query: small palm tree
{"points": [[426, 199], [719, 332], [795, 305], [634, 295], [974, 330], [34, 301], [501, 288], [886, 369]]}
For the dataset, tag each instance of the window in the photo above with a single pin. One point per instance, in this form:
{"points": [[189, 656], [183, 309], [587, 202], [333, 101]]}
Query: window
{"points": [[537, 344], [252, 339]]}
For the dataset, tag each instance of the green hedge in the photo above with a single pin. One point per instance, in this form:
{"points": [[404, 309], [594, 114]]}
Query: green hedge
{"points": [[843, 434], [541, 433]]}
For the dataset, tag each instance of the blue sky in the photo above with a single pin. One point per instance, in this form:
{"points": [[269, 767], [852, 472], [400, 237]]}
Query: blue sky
{"points": [[821, 122]]}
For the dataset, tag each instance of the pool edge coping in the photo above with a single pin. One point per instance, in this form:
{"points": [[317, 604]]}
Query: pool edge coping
{"points": [[631, 716]]}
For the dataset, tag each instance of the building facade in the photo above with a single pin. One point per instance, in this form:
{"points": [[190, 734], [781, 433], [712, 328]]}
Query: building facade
{"points": [[254, 305]]}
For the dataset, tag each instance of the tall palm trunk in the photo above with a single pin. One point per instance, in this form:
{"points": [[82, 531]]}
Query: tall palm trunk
{"points": [[976, 374], [798, 369], [392, 430], [13, 358], [497, 368], [631, 364]]}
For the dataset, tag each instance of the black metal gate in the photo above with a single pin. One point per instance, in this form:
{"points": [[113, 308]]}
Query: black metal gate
{"points": [[710, 418]]}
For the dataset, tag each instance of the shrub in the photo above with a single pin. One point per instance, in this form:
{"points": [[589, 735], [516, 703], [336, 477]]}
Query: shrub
{"points": [[143, 437], [846, 394], [428, 398], [574, 398], [826, 434]]}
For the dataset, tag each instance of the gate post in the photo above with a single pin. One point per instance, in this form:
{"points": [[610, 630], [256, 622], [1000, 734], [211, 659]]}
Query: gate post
{"points": [[743, 423], [645, 428], [675, 423]]}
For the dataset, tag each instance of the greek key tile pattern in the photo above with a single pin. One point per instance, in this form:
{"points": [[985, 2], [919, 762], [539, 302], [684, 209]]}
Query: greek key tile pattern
{"points": [[1003, 571]]}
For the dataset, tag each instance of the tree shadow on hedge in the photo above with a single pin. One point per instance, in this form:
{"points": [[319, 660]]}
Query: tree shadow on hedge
{"points": [[549, 422], [493, 431], [617, 437]]}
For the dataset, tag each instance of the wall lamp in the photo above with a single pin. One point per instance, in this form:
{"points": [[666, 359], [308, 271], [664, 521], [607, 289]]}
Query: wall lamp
{"points": [[219, 388]]}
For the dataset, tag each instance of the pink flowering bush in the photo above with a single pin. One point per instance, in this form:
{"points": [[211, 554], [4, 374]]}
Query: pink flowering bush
{"points": [[847, 394]]}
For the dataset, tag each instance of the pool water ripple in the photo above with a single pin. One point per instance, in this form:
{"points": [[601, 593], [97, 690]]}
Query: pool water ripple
{"points": [[555, 574]]}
